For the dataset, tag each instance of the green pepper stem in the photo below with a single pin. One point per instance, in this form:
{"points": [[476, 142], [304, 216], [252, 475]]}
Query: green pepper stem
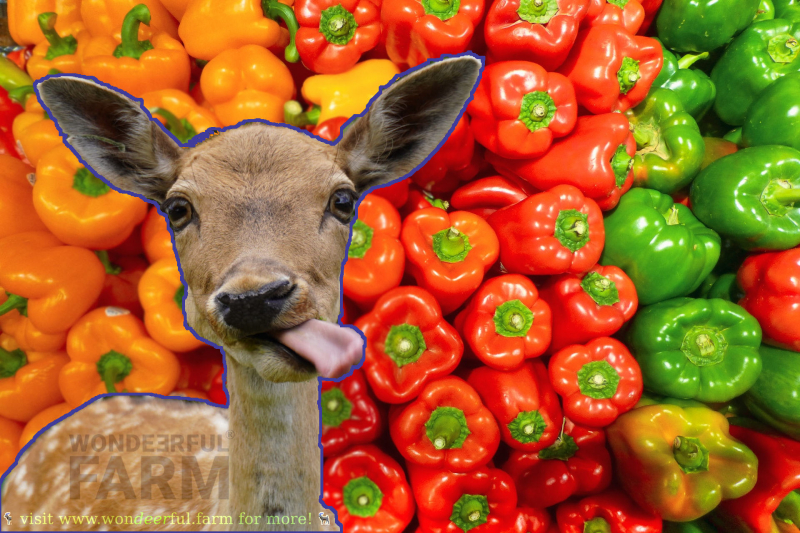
{"points": [[596, 525], [786, 196], [470, 511], [690, 454], [113, 367], [88, 184], [294, 115], [14, 302], [131, 46], [10, 362], [572, 229], [59, 46], [447, 428], [275, 10], [436, 202], [789, 509], [110, 267], [451, 246], [690, 59], [362, 497], [20, 94], [404, 344], [179, 128]]}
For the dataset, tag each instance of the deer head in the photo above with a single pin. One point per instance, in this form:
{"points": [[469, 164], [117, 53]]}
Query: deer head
{"points": [[261, 213]]}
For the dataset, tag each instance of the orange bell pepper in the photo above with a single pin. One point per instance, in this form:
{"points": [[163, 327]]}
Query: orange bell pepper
{"points": [[161, 293], [211, 27], [28, 336], [176, 8], [156, 238], [110, 351], [54, 284], [28, 381], [79, 208], [121, 287], [35, 133], [105, 17], [23, 18], [16, 200], [249, 82], [179, 113], [38, 422], [137, 67], [61, 51], [10, 431]]}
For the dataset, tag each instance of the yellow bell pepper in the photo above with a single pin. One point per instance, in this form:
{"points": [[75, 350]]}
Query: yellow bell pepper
{"points": [[23, 18], [104, 18], [59, 51], [178, 111], [35, 133]]}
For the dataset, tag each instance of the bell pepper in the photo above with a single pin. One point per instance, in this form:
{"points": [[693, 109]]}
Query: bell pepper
{"points": [[608, 512], [28, 336], [446, 427], [110, 351], [611, 69], [199, 369], [660, 245], [703, 26], [628, 14], [419, 199], [722, 286], [484, 196], [333, 35], [541, 31], [216, 393], [481, 501], [9, 110], [519, 108], [23, 18], [40, 421], [10, 432], [331, 129], [57, 51], [348, 93], [369, 491], [457, 160], [53, 284], [669, 146], [448, 253], [349, 414], [35, 132], [506, 322], [106, 17], [161, 292], [248, 23], [122, 281], [551, 232], [156, 237], [596, 157], [135, 66], [11, 75], [772, 295], [79, 208], [408, 344], [598, 381], [16, 200], [695, 526], [679, 463], [375, 257], [764, 52], [180, 114], [693, 87], [577, 463], [396, 193], [533, 520], [245, 83], [752, 197], [775, 397], [715, 149], [416, 31], [771, 118], [588, 306]]}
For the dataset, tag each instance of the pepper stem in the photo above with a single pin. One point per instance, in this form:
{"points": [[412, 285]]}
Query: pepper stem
{"points": [[20, 94], [294, 115], [275, 10], [14, 302], [180, 128], [436, 202], [335, 408], [442, 9], [673, 216], [447, 428], [88, 184], [601, 289], [179, 296], [11, 361], [338, 25], [789, 509], [598, 380], [562, 449], [131, 46], [572, 229], [362, 497], [404, 344], [59, 46], [110, 267], [690, 59], [690, 454], [527, 427], [704, 346], [470, 511], [628, 74], [113, 367], [451, 246], [513, 319], [361, 241], [622, 163], [596, 525], [786, 196]]}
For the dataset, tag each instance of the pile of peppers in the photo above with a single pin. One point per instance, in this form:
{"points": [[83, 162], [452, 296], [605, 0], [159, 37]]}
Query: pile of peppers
{"points": [[582, 313]]}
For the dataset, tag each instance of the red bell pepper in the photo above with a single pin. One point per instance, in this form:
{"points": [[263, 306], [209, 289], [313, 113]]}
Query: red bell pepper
{"points": [[349, 414], [331, 129], [486, 195], [421, 199], [350, 312], [523, 402], [532, 520], [626, 13], [550, 233], [481, 501], [650, 11], [506, 322], [9, 109], [542, 31], [408, 344], [578, 463], [519, 108], [457, 161], [448, 253], [375, 257], [397, 192], [217, 391], [369, 491], [597, 158], [609, 512], [588, 306], [611, 69], [771, 283], [598, 381], [446, 427], [415, 31], [121, 287]]}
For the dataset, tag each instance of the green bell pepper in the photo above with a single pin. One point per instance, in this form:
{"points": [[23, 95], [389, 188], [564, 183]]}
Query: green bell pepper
{"points": [[753, 197], [763, 53], [774, 117], [693, 86], [703, 25], [725, 287], [766, 11], [659, 244], [775, 397], [695, 526], [706, 350], [669, 146]]}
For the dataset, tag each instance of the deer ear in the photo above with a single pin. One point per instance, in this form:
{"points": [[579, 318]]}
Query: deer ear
{"points": [[407, 122], [113, 135]]}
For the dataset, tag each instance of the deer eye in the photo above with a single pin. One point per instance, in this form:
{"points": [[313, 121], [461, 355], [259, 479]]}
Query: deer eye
{"points": [[342, 205], [179, 211]]}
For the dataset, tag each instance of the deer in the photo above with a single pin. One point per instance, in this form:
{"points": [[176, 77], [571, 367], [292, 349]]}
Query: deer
{"points": [[261, 216]]}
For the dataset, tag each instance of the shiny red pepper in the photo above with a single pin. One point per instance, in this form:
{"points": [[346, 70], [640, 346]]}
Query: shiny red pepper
{"points": [[421, 199], [397, 192], [330, 129], [349, 414], [217, 391], [532, 520], [611, 511], [650, 12], [457, 161], [9, 109], [484, 196], [626, 13]]}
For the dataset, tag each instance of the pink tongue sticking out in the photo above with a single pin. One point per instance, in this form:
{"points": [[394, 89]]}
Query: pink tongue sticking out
{"points": [[331, 348]]}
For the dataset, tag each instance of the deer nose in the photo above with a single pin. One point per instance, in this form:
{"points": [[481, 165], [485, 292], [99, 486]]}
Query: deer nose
{"points": [[252, 312]]}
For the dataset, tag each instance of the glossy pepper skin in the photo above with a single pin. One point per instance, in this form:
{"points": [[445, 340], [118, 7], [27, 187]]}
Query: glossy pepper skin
{"points": [[660, 245], [408, 344], [60, 51], [596, 157], [772, 117], [156, 238], [694, 88], [484, 196], [369, 491], [105, 17], [772, 295], [669, 146], [179, 113], [23, 18], [457, 160], [578, 463], [694, 526], [773, 399], [752, 197], [611, 511], [551, 232], [764, 52], [10, 432], [375, 257], [519, 108], [9, 110], [122, 281], [216, 392], [689, 26], [16, 199], [680, 463], [627, 13], [448, 253], [35, 132], [28, 336], [611, 69], [349, 414], [523, 402], [110, 352]]}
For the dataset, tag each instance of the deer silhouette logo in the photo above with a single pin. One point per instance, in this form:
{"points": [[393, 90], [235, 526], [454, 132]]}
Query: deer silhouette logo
{"points": [[323, 518], [7, 516]]}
